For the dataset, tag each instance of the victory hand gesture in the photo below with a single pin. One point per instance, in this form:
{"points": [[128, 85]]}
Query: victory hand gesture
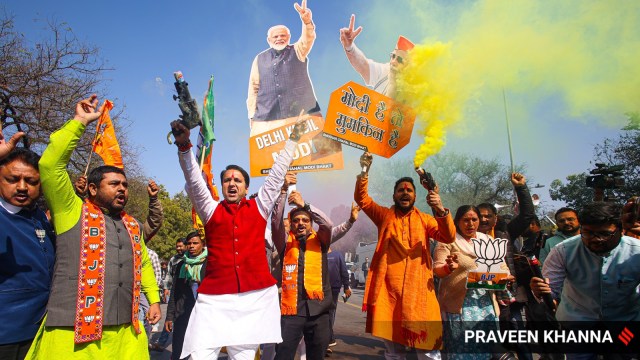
{"points": [[305, 13], [348, 35]]}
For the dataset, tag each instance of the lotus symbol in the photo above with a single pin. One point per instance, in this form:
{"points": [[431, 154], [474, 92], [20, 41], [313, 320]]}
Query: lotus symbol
{"points": [[93, 247], [88, 319], [91, 282], [489, 251], [290, 268]]}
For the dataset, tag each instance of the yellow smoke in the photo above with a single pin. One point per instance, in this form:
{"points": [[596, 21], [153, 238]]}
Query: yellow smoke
{"points": [[427, 85], [582, 54]]}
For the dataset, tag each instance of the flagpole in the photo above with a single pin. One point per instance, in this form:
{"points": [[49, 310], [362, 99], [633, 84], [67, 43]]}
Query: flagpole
{"points": [[88, 162], [204, 150], [506, 116]]}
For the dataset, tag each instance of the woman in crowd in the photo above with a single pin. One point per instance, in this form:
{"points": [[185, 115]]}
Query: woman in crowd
{"points": [[463, 308], [184, 291]]}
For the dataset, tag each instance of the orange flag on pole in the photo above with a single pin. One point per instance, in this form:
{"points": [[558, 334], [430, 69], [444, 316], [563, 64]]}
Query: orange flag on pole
{"points": [[105, 143]]}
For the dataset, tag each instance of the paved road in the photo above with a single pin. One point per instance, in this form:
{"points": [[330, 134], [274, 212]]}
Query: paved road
{"points": [[353, 342]]}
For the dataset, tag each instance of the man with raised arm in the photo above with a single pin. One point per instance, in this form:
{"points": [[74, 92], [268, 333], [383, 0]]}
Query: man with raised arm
{"points": [[27, 244], [102, 265], [237, 303], [279, 83], [381, 77], [400, 298], [306, 290]]}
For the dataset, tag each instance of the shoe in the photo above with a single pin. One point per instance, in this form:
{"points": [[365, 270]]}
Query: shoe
{"points": [[156, 347], [328, 353], [333, 343]]}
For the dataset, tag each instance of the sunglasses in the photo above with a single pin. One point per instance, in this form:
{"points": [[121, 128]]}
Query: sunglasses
{"points": [[602, 235], [397, 57]]}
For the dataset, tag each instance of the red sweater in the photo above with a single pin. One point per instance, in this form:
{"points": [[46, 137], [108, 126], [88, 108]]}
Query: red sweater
{"points": [[237, 260]]}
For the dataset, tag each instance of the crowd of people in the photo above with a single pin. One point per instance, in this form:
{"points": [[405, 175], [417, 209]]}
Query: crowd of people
{"points": [[78, 281]]}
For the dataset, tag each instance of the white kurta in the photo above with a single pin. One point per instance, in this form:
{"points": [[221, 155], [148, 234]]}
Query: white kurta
{"points": [[252, 317]]}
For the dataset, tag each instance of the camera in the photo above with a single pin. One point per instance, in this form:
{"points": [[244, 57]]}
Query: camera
{"points": [[606, 177]]}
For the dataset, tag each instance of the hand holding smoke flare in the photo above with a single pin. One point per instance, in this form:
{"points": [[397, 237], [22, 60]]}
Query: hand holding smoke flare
{"points": [[426, 179], [365, 162]]}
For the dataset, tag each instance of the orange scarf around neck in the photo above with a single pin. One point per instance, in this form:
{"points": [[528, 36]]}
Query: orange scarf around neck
{"points": [[91, 272], [312, 272]]}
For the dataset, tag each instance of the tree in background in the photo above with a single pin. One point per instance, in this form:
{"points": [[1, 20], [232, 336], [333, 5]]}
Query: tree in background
{"points": [[574, 193], [41, 82], [462, 179], [623, 150], [177, 215], [177, 223]]}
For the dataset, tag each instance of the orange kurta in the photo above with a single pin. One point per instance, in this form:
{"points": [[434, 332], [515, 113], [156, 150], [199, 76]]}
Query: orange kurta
{"points": [[400, 297]]}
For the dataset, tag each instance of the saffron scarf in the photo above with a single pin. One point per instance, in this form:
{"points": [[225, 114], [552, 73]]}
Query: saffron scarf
{"points": [[91, 272], [312, 272], [192, 266]]}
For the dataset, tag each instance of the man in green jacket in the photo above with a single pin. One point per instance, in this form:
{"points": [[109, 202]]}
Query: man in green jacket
{"points": [[102, 263]]}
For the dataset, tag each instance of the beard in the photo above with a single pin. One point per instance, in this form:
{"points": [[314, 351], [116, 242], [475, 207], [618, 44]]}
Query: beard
{"points": [[404, 208], [278, 47], [112, 205]]}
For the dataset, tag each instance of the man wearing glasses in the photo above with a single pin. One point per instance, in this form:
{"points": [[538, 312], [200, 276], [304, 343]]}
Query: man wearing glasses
{"points": [[380, 77], [594, 276], [568, 226]]}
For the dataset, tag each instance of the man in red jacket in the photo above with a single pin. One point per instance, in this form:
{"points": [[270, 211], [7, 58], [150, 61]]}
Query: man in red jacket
{"points": [[237, 304]]}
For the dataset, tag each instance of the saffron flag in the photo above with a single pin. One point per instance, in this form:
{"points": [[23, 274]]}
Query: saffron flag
{"points": [[205, 147], [105, 143]]}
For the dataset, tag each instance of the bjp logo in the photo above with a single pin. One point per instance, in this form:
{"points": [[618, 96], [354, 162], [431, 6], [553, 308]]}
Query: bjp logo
{"points": [[489, 252]]}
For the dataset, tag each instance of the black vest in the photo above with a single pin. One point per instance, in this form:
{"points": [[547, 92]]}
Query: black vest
{"points": [[285, 87]]}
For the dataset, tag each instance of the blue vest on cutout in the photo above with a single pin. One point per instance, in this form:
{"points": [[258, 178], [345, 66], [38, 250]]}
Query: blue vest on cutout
{"points": [[285, 87]]}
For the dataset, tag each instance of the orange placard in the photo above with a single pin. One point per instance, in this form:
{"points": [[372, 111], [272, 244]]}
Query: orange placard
{"points": [[367, 120], [313, 153]]}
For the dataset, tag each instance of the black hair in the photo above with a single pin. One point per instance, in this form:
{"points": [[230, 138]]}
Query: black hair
{"points": [[487, 206], [244, 173], [404, 179], [536, 221], [463, 210], [191, 235], [96, 175], [21, 154], [563, 210], [181, 240], [601, 213], [296, 210]]}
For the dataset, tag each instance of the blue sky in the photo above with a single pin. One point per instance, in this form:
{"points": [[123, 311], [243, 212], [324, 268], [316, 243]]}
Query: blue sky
{"points": [[146, 41]]}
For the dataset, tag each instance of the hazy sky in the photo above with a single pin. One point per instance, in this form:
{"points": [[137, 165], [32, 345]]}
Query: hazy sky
{"points": [[568, 68]]}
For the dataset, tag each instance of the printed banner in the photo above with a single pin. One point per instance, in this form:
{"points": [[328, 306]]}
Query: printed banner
{"points": [[313, 153], [491, 267], [367, 120]]}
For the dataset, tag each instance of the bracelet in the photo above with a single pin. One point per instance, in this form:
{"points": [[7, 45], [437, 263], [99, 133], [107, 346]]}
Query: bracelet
{"points": [[184, 146]]}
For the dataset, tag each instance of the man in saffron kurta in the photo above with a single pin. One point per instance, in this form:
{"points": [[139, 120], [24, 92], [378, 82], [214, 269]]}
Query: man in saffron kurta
{"points": [[400, 295], [97, 227]]}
